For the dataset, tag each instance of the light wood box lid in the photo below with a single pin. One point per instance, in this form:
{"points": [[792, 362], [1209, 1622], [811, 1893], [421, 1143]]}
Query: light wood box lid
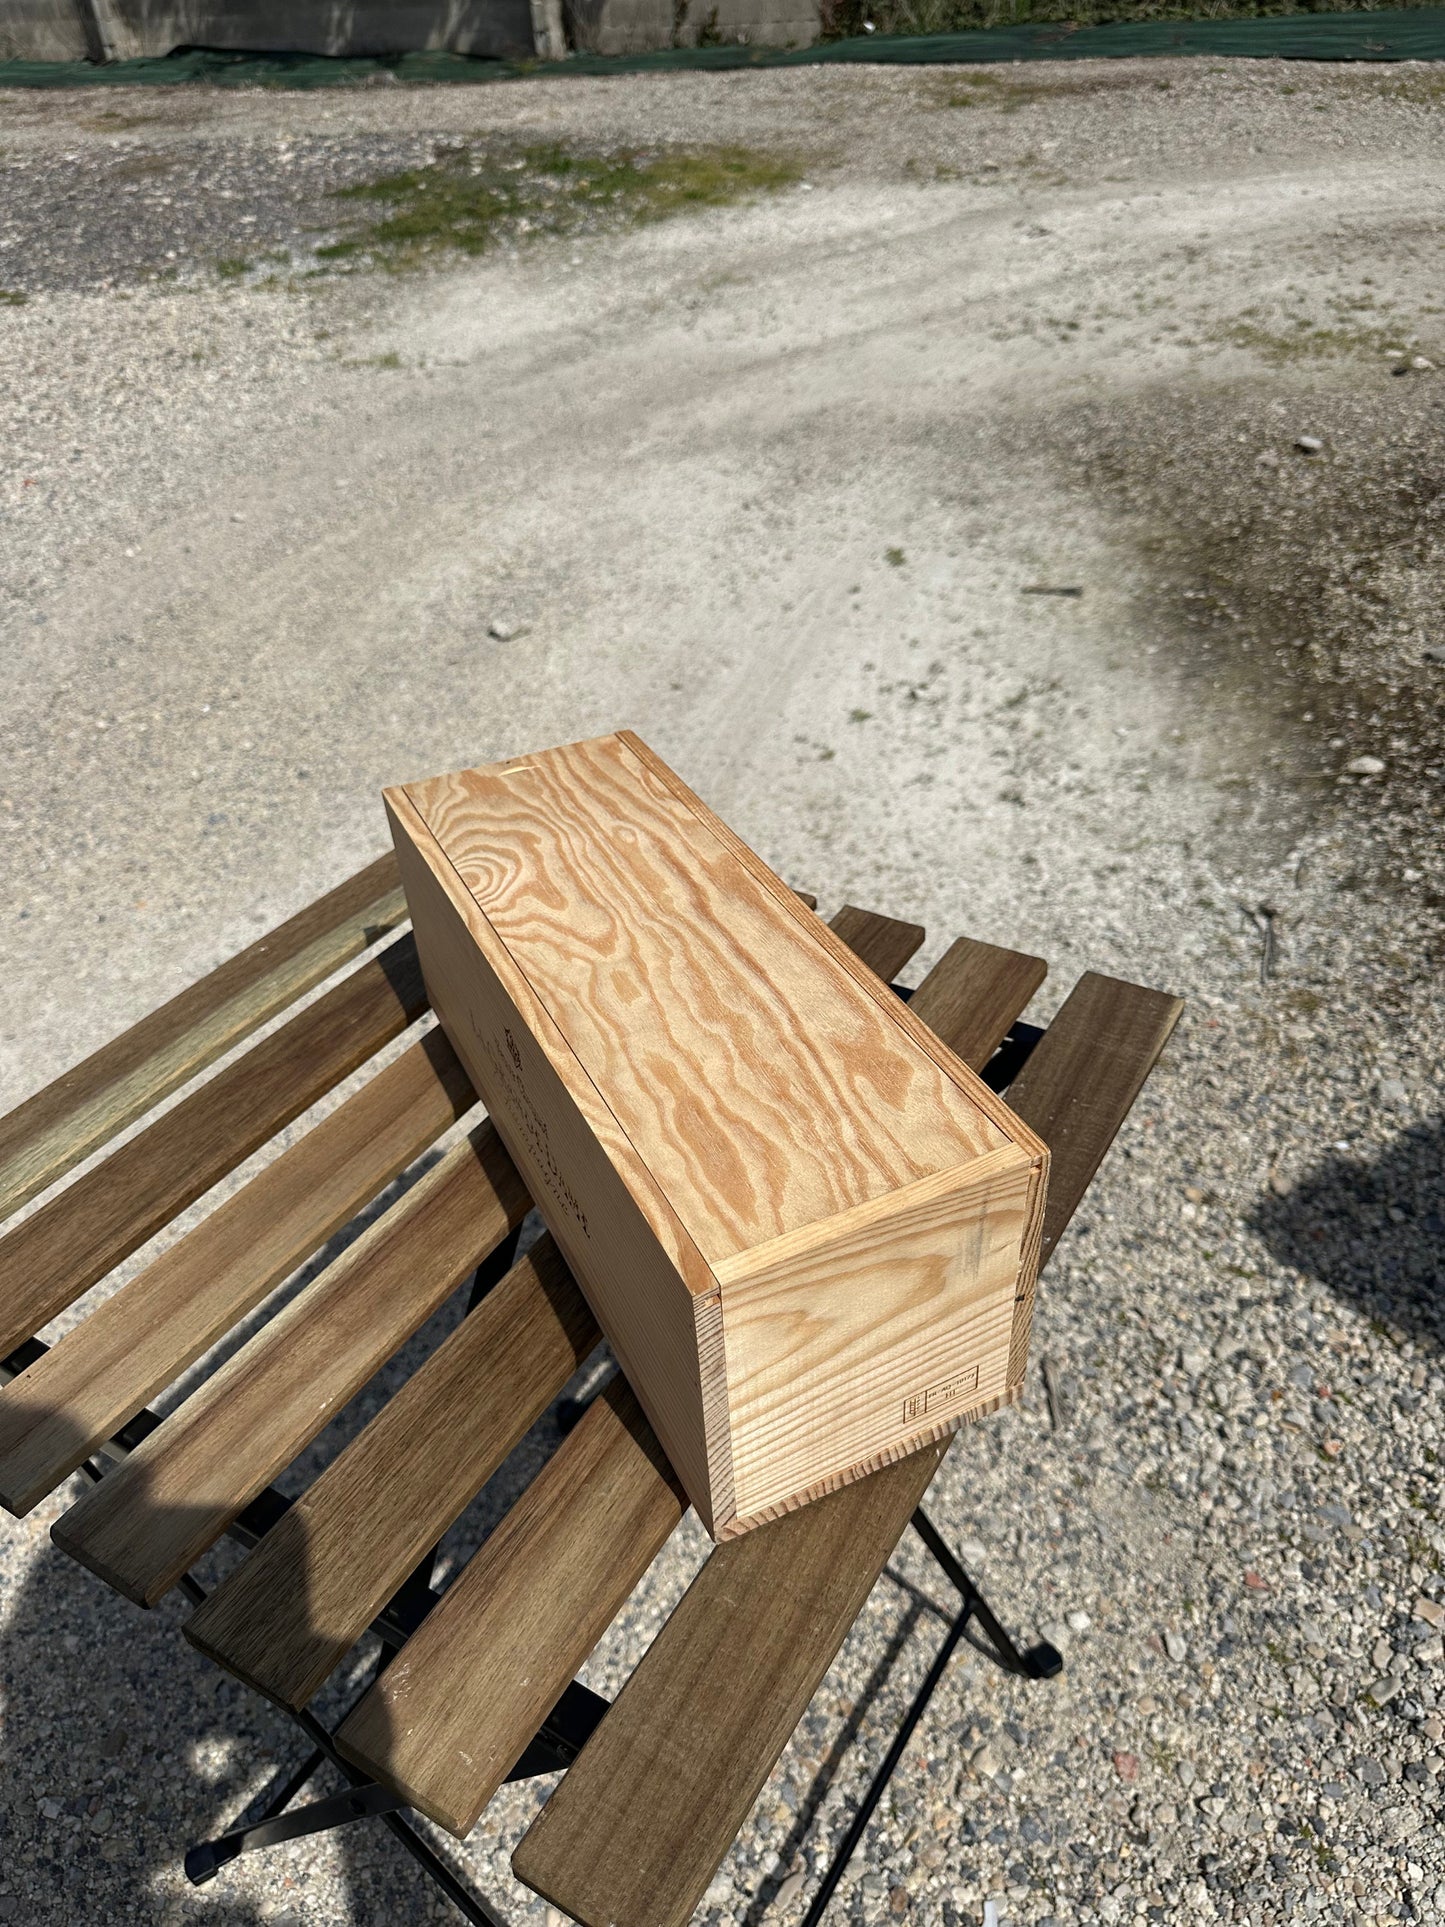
{"points": [[762, 1075]]}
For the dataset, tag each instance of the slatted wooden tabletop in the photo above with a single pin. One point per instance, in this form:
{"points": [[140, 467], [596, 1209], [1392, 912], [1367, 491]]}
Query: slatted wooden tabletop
{"points": [[637, 1827]]}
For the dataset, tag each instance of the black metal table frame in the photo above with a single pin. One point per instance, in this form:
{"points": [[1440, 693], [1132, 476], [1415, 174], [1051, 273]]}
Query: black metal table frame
{"points": [[570, 1724]]}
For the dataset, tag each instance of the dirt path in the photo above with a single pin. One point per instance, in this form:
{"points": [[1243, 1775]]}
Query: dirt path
{"points": [[771, 484]]}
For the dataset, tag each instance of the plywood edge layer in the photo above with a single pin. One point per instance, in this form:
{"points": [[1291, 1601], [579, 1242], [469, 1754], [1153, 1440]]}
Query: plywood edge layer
{"points": [[969, 1082], [1030, 1261], [890, 1455], [716, 1411], [615, 1142]]}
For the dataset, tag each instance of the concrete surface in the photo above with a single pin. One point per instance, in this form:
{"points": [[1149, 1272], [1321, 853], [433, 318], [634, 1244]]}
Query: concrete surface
{"points": [[770, 484], [133, 29]]}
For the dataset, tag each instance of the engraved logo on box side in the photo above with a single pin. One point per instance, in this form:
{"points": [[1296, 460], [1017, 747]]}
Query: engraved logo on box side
{"points": [[939, 1397], [534, 1127]]}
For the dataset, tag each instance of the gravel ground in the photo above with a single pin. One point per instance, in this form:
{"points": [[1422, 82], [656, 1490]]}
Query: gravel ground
{"points": [[767, 483]]}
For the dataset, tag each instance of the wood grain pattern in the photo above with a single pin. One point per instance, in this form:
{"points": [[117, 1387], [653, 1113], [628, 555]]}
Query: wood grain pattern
{"points": [[803, 1316], [287, 1616], [451, 1715], [640, 1823], [883, 943], [104, 1370], [920, 1034], [154, 1515], [51, 1257], [696, 1069], [629, 1276], [761, 1090], [47, 1135]]}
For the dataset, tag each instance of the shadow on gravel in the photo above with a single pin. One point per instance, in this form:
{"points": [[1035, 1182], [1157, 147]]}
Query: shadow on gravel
{"points": [[1373, 1232]]}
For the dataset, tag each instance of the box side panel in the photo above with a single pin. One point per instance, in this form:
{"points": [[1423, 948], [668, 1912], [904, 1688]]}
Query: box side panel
{"points": [[881, 1331], [763, 1088], [640, 1300]]}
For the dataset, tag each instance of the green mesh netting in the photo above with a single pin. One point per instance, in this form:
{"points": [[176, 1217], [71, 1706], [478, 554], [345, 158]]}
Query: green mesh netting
{"points": [[1396, 33]]}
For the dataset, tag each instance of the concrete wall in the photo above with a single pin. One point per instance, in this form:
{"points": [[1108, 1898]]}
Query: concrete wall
{"points": [[43, 30], [128, 29]]}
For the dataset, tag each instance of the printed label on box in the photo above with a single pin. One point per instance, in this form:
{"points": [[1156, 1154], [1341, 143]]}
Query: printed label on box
{"points": [[938, 1397]]}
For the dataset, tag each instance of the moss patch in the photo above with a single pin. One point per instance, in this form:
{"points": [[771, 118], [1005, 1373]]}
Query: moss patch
{"points": [[471, 199]]}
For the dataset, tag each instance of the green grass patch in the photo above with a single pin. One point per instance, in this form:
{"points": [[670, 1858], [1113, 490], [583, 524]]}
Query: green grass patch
{"points": [[12, 298], [471, 199], [1301, 341], [1009, 93]]}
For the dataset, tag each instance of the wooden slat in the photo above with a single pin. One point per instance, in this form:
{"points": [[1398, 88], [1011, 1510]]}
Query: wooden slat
{"points": [[448, 1720], [286, 1617], [86, 1230], [883, 943], [1082, 1079], [107, 1368], [643, 1817], [975, 994], [1079, 1086], [154, 1515], [52, 1131], [642, 1820]]}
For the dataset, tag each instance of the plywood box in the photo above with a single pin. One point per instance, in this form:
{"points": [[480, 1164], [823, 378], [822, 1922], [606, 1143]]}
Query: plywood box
{"points": [[805, 1226]]}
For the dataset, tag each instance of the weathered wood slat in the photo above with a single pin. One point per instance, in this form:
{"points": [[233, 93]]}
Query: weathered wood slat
{"points": [[153, 1516], [1079, 1086], [286, 1617], [1083, 1077], [975, 993], [642, 1820], [447, 1720], [47, 1135], [87, 1229], [883, 943], [107, 1368]]}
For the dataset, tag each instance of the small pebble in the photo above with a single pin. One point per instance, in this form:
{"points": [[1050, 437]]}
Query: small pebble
{"points": [[1309, 444], [1366, 766]]}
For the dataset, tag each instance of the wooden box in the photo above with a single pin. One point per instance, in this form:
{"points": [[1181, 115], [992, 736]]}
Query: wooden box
{"points": [[805, 1226]]}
